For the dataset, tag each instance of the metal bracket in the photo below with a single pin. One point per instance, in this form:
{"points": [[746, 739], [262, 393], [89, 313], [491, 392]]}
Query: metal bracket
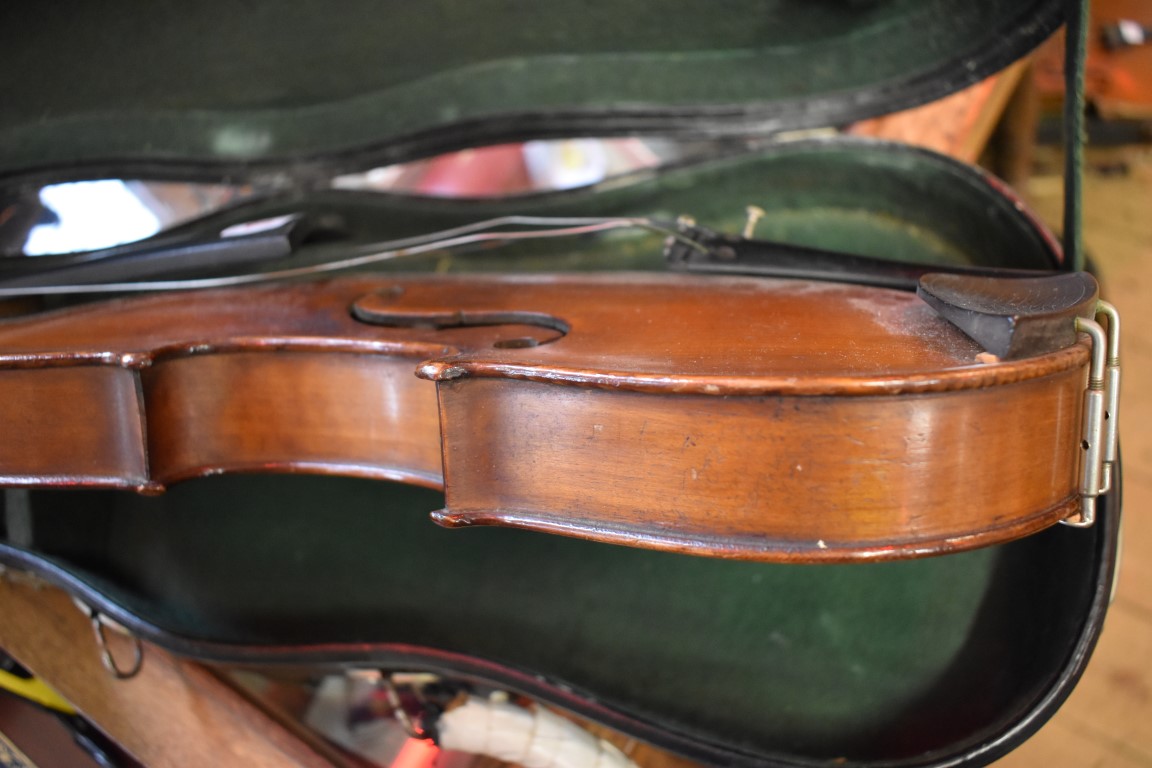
{"points": [[1100, 431], [106, 657], [1112, 388]]}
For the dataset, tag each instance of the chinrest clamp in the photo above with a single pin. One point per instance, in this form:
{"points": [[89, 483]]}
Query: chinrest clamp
{"points": [[1100, 433]]}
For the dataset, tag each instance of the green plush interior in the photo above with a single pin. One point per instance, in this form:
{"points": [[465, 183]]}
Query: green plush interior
{"points": [[862, 197], [224, 81], [857, 197], [857, 661]]}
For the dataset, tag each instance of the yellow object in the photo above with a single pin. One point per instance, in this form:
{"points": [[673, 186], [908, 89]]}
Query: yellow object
{"points": [[35, 690]]}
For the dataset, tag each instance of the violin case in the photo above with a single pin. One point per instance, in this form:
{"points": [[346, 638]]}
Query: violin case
{"points": [[949, 660]]}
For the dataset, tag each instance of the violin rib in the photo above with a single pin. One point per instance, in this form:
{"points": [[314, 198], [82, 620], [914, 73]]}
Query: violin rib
{"points": [[731, 417]]}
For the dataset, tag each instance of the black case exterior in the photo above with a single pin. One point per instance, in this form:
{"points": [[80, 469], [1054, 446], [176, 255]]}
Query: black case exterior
{"points": [[300, 88]]}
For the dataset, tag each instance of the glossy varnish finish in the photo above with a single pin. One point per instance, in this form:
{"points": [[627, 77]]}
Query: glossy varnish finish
{"points": [[763, 476], [72, 425], [352, 413], [749, 418]]}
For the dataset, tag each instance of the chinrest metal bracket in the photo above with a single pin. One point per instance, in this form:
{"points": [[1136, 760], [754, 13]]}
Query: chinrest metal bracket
{"points": [[1014, 317], [1101, 403]]}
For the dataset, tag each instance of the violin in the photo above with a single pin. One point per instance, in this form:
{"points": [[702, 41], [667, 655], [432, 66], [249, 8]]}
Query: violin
{"points": [[827, 418]]}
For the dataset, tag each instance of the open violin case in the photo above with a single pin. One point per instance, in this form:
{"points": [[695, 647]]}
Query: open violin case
{"points": [[952, 659]]}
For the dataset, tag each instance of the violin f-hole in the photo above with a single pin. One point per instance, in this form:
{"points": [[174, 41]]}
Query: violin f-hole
{"points": [[396, 308]]}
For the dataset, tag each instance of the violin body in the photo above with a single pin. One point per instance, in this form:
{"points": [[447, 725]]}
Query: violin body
{"points": [[733, 417]]}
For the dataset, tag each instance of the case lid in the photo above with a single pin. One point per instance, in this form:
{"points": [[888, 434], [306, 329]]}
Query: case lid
{"points": [[92, 88]]}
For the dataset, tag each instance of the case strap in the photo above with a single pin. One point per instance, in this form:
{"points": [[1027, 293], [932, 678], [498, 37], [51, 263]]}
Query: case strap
{"points": [[1075, 49]]}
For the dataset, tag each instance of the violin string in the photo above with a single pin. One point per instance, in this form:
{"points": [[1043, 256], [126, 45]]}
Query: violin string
{"points": [[456, 237]]}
